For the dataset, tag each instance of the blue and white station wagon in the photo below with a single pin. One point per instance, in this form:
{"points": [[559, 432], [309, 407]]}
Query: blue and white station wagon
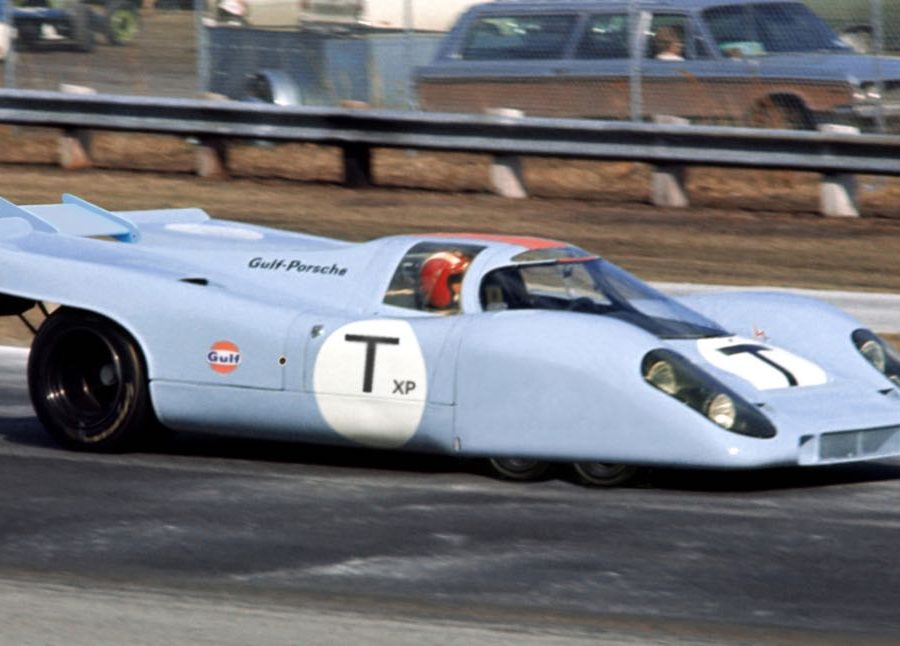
{"points": [[770, 63]]}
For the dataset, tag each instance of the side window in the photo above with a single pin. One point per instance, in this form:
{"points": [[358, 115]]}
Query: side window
{"points": [[429, 277], [496, 38], [606, 36], [666, 39]]}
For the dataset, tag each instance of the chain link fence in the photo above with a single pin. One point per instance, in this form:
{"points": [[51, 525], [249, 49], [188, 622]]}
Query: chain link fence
{"points": [[764, 63]]}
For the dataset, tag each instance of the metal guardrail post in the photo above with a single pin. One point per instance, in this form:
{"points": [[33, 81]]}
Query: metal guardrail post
{"points": [[838, 191], [75, 143], [357, 160], [506, 175], [668, 182]]}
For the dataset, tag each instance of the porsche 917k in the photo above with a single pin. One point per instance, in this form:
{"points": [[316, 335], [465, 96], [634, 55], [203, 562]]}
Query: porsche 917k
{"points": [[524, 351]]}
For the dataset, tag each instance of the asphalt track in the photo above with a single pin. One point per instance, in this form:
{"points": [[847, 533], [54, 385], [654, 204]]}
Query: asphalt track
{"points": [[212, 540]]}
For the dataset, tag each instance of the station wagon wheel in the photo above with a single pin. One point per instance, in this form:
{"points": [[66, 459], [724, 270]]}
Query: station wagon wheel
{"points": [[520, 469], [782, 112], [88, 383], [602, 474]]}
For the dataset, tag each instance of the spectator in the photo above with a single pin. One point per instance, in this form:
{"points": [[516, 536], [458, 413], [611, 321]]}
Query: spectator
{"points": [[669, 45]]}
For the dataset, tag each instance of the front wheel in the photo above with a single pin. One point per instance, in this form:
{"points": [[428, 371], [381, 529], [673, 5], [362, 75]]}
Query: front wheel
{"points": [[88, 383], [601, 474]]}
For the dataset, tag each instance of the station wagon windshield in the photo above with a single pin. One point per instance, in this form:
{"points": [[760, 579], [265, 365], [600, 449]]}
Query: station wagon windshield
{"points": [[758, 29], [593, 286]]}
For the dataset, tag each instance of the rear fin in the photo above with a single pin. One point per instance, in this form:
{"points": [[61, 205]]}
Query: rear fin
{"points": [[75, 217]]}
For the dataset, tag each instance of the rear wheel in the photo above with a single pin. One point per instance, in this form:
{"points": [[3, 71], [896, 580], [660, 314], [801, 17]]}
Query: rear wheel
{"points": [[519, 469], [781, 112], [88, 383], [602, 474]]}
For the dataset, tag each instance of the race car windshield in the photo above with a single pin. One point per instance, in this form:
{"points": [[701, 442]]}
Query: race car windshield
{"points": [[593, 286]]}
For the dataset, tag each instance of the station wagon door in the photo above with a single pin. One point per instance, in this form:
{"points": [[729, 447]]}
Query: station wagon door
{"points": [[507, 60]]}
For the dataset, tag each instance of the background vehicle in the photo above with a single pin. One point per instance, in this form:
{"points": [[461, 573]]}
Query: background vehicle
{"points": [[417, 15], [855, 22], [324, 52], [764, 62], [76, 21]]}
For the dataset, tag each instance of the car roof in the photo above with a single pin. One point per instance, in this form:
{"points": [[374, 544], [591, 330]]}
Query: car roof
{"points": [[610, 4]]}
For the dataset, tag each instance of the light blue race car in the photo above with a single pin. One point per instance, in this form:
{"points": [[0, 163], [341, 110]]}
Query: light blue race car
{"points": [[524, 351]]}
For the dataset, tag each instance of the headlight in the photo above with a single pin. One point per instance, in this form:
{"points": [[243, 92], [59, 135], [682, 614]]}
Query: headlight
{"points": [[721, 410], [878, 353], [662, 375], [677, 377]]}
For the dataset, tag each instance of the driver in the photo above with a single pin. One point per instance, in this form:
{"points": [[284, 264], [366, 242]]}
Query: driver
{"points": [[440, 280]]}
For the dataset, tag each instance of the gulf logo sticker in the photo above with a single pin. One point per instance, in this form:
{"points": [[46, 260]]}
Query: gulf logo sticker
{"points": [[224, 357]]}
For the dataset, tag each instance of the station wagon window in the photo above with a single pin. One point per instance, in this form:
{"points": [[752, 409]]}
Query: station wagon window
{"points": [[518, 37], [429, 277], [606, 36], [757, 29]]}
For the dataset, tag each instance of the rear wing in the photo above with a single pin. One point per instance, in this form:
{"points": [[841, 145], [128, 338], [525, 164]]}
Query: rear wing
{"points": [[78, 217]]}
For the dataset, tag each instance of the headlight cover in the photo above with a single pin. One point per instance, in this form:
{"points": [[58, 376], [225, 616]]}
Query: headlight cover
{"points": [[677, 377], [878, 353]]}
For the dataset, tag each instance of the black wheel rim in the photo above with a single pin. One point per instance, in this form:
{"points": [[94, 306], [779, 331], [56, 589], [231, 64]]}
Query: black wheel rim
{"points": [[86, 384]]}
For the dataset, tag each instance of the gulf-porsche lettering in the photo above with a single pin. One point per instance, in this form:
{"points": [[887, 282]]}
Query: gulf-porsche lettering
{"points": [[764, 366], [296, 266], [223, 357], [370, 382]]}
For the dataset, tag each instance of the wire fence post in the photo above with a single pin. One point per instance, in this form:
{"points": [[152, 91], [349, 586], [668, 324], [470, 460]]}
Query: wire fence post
{"points": [[408, 28], [203, 61], [635, 24], [9, 64], [877, 20]]}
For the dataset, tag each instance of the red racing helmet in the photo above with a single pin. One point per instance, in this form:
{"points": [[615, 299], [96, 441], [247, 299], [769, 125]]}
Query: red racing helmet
{"points": [[440, 277]]}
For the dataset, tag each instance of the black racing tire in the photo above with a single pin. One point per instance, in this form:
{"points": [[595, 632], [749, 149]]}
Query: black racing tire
{"points": [[519, 469], [123, 22], [88, 383], [602, 474]]}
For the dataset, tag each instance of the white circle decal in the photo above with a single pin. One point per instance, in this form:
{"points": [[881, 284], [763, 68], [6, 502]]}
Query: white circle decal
{"points": [[370, 382]]}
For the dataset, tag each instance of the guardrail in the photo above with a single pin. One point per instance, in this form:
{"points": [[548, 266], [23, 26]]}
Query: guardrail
{"points": [[670, 148]]}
